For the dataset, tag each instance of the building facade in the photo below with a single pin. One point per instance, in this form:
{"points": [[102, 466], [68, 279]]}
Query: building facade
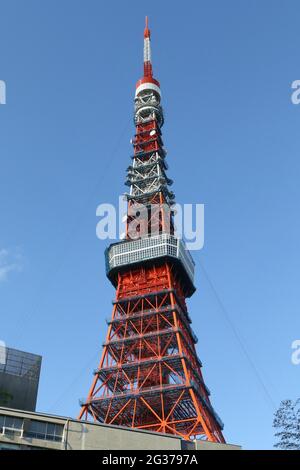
{"points": [[19, 379], [23, 430]]}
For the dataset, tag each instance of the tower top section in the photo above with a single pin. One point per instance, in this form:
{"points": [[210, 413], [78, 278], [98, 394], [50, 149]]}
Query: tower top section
{"points": [[146, 30], [147, 82]]}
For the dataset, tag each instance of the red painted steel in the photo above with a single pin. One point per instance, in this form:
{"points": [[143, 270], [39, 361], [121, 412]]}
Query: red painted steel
{"points": [[149, 376]]}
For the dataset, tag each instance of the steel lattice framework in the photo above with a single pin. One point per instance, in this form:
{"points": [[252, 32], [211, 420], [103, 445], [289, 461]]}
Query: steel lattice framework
{"points": [[149, 376]]}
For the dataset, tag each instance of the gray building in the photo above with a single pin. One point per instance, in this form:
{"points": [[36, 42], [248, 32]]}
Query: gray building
{"points": [[19, 379], [22, 430]]}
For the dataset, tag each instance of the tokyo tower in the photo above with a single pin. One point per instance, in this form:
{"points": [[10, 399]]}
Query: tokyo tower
{"points": [[149, 376]]}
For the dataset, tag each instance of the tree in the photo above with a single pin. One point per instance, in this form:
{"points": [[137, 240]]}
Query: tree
{"points": [[5, 397], [287, 423]]}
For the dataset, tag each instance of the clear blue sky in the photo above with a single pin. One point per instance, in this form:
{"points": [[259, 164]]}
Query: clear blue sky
{"points": [[232, 136]]}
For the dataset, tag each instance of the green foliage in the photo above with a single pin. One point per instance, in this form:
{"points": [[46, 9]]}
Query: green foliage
{"points": [[5, 397], [287, 425]]}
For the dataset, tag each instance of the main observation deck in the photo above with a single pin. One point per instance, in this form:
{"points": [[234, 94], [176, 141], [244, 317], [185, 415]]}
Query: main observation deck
{"points": [[156, 248]]}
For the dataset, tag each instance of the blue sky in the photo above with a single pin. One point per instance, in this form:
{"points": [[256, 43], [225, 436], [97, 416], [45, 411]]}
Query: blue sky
{"points": [[232, 136]]}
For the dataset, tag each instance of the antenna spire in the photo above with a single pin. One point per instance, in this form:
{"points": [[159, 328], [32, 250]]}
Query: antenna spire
{"points": [[147, 51], [146, 30]]}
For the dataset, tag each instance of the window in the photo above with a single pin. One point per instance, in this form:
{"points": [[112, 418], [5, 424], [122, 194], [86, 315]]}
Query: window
{"points": [[45, 430], [11, 422], [6, 446]]}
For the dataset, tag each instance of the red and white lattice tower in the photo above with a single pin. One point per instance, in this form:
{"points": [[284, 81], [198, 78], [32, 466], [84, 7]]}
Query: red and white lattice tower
{"points": [[149, 376]]}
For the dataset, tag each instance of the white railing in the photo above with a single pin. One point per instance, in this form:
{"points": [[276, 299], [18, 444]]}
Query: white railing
{"points": [[12, 431]]}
